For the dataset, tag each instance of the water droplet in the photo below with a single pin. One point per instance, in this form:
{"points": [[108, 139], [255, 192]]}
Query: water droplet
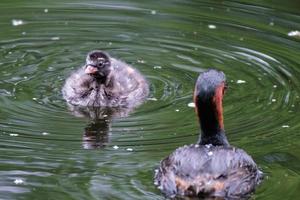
{"points": [[191, 105], [294, 33], [50, 68], [129, 149], [153, 12], [177, 110], [23, 33], [18, 181], [17, 22], [211, 26], [45, 133], [55, 38], [285, 126], [14, 134], [273, 100], [46, 10], [210, 153], [157, 67], [34, 98], [152, 99], [115, 147], [274, 86], [240, 81], [271, 23], [141, 61]]}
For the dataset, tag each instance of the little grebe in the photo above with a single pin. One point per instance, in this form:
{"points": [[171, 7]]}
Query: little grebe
{"points": [[212, 168], [105, 82]]}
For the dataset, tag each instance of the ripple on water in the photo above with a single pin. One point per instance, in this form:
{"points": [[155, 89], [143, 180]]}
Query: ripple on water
{"points": [[44, 144]]}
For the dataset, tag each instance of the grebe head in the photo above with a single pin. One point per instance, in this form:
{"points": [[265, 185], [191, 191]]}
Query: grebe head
{"points": [[97, 64], [209, 83], [208, 96]]}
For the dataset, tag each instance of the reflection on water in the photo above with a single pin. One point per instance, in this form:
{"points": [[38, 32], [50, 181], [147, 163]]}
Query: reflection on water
{"points": [[96, 134], [97, 131], [42, 141]]}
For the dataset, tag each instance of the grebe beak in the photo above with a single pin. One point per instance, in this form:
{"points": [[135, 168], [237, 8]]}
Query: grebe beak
{"points": [[90, 69]]}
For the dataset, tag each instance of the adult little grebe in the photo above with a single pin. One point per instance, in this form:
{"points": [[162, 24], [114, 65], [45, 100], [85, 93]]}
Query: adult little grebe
{"points": [[211, 168], [105, 82]]}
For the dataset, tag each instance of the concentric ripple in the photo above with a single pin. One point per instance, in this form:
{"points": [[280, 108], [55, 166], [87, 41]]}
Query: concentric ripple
{"points": [[50, 149]]}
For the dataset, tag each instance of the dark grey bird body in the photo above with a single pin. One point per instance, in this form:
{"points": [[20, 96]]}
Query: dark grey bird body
{"points": [[208, 171], [211, 168]]}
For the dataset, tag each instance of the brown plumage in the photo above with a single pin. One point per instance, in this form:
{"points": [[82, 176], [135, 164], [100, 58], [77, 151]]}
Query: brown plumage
{"points": [[105, 82], [211, 168]]}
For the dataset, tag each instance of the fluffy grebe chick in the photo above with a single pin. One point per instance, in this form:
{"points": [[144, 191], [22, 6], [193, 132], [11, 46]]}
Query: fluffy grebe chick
{"points": [[212, 168], [105, 82]]}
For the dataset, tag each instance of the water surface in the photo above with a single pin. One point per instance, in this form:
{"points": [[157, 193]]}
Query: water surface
{"points": [[47, 150]]}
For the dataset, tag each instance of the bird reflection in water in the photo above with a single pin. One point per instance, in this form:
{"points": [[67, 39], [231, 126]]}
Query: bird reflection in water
{"points": [[97, 132]]}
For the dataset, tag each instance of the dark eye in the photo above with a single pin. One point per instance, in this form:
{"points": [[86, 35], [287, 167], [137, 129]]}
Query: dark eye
{"points": [[101, 62]]}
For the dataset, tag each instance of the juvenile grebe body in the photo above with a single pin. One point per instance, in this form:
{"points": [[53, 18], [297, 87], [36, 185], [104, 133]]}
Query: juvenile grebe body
{"points": [[105, 82], [211, 168]]}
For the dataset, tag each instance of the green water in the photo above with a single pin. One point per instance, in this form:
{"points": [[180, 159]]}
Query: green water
{"points": [[44, 151]]}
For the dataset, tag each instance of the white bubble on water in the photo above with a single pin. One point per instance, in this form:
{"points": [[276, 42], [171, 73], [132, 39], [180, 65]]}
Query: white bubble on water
{"points": [[191, 105], [17, 22], [45, 133], [55, 38], [211, 26], [152, 99], [129, 149], [294, 33], [240, 81], [18, 181]]}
